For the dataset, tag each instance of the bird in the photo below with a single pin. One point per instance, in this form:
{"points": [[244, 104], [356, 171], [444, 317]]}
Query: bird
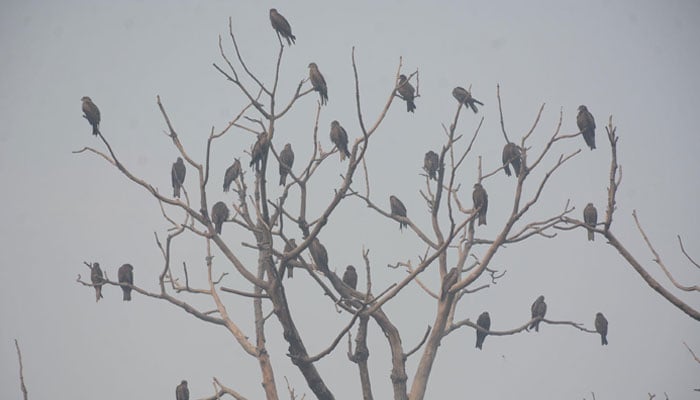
{"points": [[177, 175], [126, 277], [280, 24], [340, 138], [318, 83], [538, 309], [481, 201], [601, 326], [286, 162], [97, 278], [291, 245], [182, 392], [92, 114], [484, 322], [464, 97], [431, 164], [319, 254], [231, 174], [407, 92], [447, 282], [350, 277], [512, 155], [398, 210], [219, 214], [259, 150], [590, 217], [586, 124]]}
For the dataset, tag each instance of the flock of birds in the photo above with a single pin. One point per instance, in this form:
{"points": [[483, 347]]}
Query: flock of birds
{"points": [[511, 157]]}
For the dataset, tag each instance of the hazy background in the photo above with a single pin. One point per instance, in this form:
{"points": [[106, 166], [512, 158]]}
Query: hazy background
{"points": [[635, 60]]}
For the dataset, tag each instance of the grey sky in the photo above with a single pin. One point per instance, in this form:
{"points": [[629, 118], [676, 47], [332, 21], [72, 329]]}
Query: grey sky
{"points": [[635, 60]]}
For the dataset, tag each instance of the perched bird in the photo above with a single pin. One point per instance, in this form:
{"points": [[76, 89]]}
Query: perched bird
{"points": [[407, 92], [586, 124], [464, 97], [96, 277], [319, 254], [538, 309], [259, 150], [291, 245], [484, 322], [318, 83], [398, 210], [231, 174], [431, 164], [601, 326], [219, 214], [447, 282], [92, 114], [340, 138], [177, 175], [590, 217], [481, 202], [286, 162], [126, 277], [182, 392], [280, 24], [350, 277], [512, 155]]}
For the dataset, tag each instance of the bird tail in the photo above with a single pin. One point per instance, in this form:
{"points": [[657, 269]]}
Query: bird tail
{"points": [[506, 169], [410, 105], [283, 179], [290, 271], [218, 227], [482, 219], [127, 294], [603, 341], [471, 104], [98, 293], [324, 97], [95, 130], [226, 188], [591, 236], [433, 175], [176, 191], [292, 38]]}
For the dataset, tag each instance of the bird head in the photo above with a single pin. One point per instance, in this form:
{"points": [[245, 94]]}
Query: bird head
{"points": [[85, 98], [273, 11], [541, 298], [350, 268], [313, 65], [478, 186], [582, 108], [335, 123]]}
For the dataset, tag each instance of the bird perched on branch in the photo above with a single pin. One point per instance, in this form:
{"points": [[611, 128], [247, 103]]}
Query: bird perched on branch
{"points": [[286, 162], [340, 138], [586, 124], [319, 255], [484, 321], [398, 210], [431, 164], [182, 392], [259, 150], [601, 326], [463, 96], [125, 274], [280, 24], [538, 309], [350, 277], [481, 202], [407, 92], [92, 114], [318, 83], [97, 278], [511, 155], [219, 214], [590, 217], [177, 175], [231, 174]]}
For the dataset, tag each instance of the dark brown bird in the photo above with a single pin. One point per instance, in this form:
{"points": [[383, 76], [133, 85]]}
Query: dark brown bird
{"points": [[318, 83], [289, 246], [125, 274], [407, 92], [92, 114], [280, 24], [286, 162], [481, 202], [538, 309], [464, 97], [177, 175], [512, 155], [350, 277], [219, 214], [601, 326], [431, 164], [231, 174], [586, 124], [319, 255], [398, 210], [259, 150], [340, 138], [182, 392], [590, 217], [96, 277], [484, 321], [447, 282]]}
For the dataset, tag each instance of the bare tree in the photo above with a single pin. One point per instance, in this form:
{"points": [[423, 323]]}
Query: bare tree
{"points": [[454, 248]]}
